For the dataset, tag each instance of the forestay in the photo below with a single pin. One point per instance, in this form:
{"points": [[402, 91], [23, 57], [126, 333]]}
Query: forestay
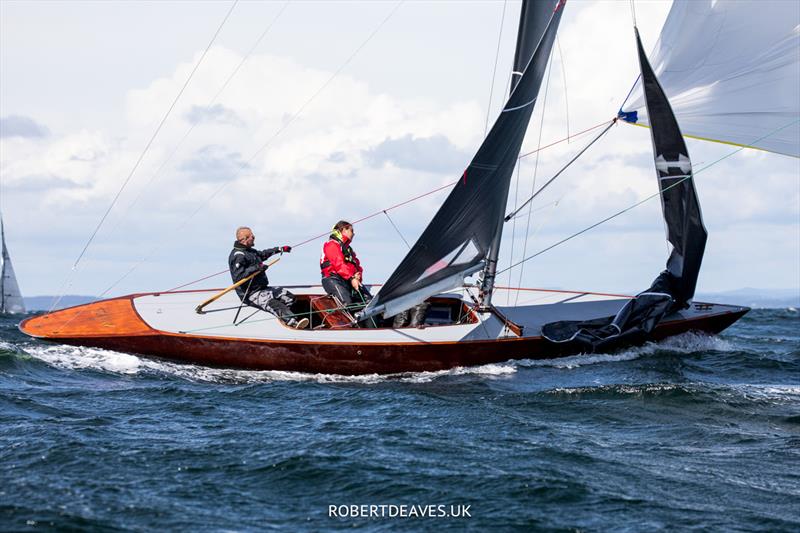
{"points": [[731, 70], [457, 241]]}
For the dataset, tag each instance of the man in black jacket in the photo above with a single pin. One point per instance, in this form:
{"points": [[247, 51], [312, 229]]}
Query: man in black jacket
{"points": [[244, 261]]}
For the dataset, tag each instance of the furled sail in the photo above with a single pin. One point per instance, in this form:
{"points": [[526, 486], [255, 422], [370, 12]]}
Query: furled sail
{"points": [[674, 288], [458, 239], [731, 70], [10, 297]]}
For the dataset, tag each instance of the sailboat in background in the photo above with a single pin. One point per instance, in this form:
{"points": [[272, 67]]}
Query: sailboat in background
{"points": [[463, 326], [10, 297]]}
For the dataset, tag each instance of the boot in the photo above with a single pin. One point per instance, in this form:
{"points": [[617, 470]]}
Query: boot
{"points": [[298, 324]]}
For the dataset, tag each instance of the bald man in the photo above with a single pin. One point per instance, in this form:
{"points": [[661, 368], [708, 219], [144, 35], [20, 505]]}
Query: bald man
{"points": [[244, 261]]}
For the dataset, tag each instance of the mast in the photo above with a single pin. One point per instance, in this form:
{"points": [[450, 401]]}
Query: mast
{"points": [[533, 19], [458, 240]]}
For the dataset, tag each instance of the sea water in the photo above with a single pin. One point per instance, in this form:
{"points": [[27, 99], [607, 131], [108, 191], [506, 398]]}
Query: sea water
{"points": [[694, 432]]}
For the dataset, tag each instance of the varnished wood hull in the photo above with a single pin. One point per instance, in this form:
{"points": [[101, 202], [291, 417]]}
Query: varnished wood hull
{"points": [[116, 325]]}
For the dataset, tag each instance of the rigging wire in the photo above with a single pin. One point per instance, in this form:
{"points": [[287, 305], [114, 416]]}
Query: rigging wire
{"points": [[564, 76], [244, 165], [587, 130], [659, 193], [396, 228], [557, 174], [514, 225], [146, 148], [376, 213], [533, 183], [494, 70], [633, 13], [207, 109]]}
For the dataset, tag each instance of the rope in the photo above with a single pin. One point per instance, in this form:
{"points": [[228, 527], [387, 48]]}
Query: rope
{"points": [[557, 174], [514, 225], [376, 213], [207, 108], [533, 183], [564, 76], [396, 229], [629, 92], [494, 71], [146, 148], [587, 130], [246, 164], [637, 204]]}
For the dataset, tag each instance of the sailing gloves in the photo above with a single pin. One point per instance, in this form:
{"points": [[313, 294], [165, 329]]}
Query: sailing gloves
{"points": [[278, 249]]}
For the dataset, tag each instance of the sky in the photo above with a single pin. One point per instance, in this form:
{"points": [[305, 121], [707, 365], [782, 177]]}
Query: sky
{"points": [[340, 110]]}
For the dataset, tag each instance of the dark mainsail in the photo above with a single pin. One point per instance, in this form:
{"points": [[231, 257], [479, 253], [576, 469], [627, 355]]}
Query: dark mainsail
{"points": [[533, 21], [674, 288], [458, 240]]}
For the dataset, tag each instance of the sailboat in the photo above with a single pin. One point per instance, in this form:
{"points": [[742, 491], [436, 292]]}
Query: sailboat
{"points": [[463, 325], [11, 301]]}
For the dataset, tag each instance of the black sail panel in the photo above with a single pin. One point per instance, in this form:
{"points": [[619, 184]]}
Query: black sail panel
{"points": [[674, 288], [533, 21], [685, 230], [457, 240]]}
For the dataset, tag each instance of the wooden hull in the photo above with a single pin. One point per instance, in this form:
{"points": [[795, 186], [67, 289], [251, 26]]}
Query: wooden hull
{"points": [[116, 325]]}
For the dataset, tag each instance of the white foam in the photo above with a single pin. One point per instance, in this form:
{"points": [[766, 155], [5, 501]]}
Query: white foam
{"points": [[75, 357], [80, 358], [771, 392], [576, 361], [620, 389]]}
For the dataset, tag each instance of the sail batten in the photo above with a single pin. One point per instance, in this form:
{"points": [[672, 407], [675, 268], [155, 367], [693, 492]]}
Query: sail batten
{"points": [[471, 217]]}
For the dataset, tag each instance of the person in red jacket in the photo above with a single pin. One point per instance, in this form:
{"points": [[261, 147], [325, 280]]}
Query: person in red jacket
{"points": [[342, 274]]}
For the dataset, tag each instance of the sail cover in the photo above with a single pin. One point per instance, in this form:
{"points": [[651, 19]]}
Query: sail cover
{"points": [[674, 288], [457, 240], [10, 297], [731, 70]]}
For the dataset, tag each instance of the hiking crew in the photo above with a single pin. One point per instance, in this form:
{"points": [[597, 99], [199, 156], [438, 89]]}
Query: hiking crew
{"points": [[342, 275], [244, 261]]}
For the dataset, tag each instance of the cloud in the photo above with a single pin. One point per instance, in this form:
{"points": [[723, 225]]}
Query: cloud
{"points": [[214, 163], [215, 114], [19, 126], [42, 182], [429, 154]]}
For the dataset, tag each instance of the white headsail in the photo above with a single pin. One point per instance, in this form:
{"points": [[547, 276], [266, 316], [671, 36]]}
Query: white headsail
{"points": [[731, 71], [10, 298]]}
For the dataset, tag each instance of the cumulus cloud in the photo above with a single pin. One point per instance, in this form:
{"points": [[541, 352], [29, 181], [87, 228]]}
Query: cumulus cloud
{"points": [[215, 114], [363, 144], [42, 182], [430, 154], [214, 163], [19, 126]]}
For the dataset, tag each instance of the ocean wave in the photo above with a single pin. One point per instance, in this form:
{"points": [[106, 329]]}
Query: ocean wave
{"points": [[624, 390], [682, 344], [84, 358], [79, 358]]}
